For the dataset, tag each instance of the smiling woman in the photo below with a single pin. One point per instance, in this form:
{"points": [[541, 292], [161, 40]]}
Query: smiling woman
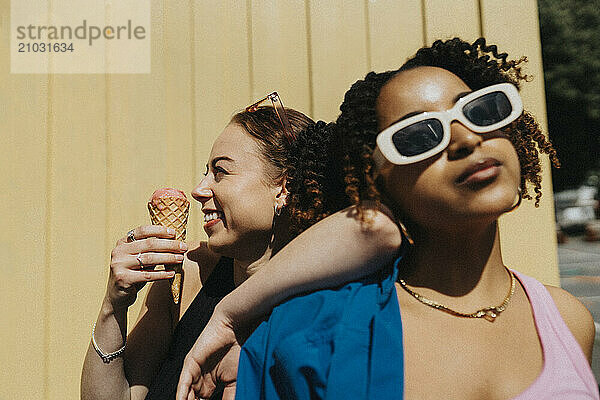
{"points": [[239, 197], [255, 197]]}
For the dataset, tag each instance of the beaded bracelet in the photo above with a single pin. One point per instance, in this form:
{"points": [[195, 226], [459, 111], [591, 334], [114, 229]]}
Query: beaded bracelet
{"points": [[106, 358]]}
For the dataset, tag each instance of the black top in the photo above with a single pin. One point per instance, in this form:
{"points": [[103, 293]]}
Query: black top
{"points": [[218, 284]]}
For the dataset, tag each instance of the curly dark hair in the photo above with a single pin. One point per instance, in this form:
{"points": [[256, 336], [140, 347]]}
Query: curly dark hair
{"points": [[303, 161], [479, 65], [315, 192]]}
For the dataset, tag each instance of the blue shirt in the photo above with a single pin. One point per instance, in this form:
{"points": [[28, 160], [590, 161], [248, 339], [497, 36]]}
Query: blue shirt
{"points": [[331, 344]]}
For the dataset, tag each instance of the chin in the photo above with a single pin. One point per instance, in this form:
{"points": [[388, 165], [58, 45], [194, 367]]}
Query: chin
{"points": [[493, 207], [219, 245]]}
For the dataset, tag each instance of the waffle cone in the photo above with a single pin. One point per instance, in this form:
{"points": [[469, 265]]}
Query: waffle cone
{"points": [[171, 212]]}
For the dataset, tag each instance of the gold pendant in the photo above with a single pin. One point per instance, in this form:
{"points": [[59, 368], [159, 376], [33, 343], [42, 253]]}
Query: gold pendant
{"points": [[490, 314]]}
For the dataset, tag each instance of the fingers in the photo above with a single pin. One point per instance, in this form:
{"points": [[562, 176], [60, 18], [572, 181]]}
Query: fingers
{"points": [[155, 245], [229, 392], [184, 387], [146, 231], [128, 260], [193, 384], [150, 260], [205, 388], [146, 253], [150, 276], [125, 279], [134, 257]]}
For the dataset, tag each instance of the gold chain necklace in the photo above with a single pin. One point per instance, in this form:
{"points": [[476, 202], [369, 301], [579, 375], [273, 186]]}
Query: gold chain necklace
{"points": [[489, 313]]}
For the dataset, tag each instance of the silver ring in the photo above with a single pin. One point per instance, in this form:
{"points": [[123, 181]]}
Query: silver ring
{"points": [[139, 259], [130, 236]]}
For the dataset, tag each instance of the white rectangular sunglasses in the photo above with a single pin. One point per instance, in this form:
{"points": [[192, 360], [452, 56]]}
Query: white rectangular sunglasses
{"points": [[427, 134]]}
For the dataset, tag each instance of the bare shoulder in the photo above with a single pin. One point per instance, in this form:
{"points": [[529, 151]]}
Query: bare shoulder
{"points": [[379, 224], [577, 317]]}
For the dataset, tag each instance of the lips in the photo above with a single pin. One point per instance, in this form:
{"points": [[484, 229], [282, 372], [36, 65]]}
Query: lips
{"points": [[481, 171], [212, 217]]}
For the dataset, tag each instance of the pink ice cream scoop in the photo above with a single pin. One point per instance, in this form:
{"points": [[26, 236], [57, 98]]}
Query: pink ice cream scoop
{"points": [[166, 193]]}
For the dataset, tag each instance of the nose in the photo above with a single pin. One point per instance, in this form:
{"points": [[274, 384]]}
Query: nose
{"points": [[463, 141], [202, 192]]}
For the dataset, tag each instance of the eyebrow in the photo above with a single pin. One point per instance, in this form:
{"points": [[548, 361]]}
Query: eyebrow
{"points": [[413, 113], [215, 160], [406, 116]]}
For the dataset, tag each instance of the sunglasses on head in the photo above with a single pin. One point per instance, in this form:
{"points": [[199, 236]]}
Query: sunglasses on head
{"points": [[424, 135], [279, 110]]}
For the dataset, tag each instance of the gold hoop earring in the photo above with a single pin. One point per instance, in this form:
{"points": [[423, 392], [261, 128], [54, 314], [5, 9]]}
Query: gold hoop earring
{"points": [[405, 233], [278, 209], [520, 193]]}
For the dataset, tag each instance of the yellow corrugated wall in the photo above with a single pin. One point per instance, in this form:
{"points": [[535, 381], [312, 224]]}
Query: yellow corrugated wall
{"points": [[82, 153]]}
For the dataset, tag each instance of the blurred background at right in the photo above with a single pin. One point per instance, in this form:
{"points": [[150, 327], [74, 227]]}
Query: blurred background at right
{"points": [[570, 33]]}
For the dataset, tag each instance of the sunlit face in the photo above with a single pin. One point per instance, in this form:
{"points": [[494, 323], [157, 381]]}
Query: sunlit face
{"points": [[237, 196], [476, 176]]}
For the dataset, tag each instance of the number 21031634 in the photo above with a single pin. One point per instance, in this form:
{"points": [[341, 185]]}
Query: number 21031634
{"points": [[45, 47]]}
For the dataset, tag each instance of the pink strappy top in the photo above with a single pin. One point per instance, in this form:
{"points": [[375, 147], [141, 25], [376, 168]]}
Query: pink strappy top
{"points": [[566, 373]]}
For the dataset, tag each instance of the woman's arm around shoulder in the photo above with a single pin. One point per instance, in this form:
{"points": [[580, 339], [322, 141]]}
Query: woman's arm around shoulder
{"points": [[338, 249], [577, 317]]}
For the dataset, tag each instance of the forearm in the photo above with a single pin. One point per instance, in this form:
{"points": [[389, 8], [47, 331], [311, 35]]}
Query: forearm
{"points": [[336, 250], [118, 379], [100, 380]]}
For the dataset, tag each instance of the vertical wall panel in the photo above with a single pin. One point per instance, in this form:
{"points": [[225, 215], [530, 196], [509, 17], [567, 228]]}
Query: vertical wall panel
{"points": [[527, 228], [178, 111], [280, 52], [222, 76], [138, 153], [23, 182], [395, 32], [78, 221], [338, 39], [446, 19], [77, 233], [76, 244]]}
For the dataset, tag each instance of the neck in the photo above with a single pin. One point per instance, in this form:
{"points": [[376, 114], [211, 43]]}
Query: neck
{"points": [[463, 264], [243, 268]]}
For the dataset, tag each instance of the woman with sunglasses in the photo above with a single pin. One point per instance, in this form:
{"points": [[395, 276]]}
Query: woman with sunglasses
{"points": [[260, 189], [444, 142]]}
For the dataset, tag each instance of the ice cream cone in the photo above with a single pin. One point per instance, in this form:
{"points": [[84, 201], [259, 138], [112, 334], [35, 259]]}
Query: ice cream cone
{"points": [[171, 212]]}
